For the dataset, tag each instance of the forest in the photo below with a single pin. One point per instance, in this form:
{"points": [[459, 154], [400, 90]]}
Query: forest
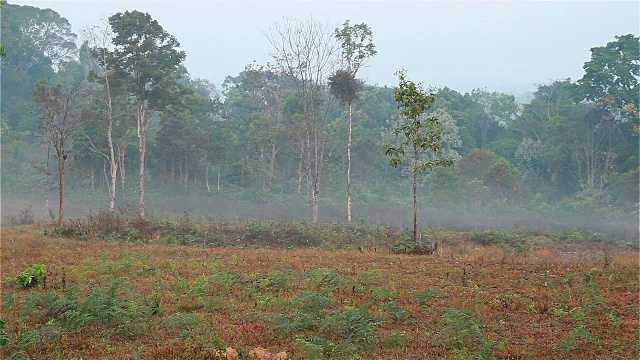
{"points": [[112, 117]]}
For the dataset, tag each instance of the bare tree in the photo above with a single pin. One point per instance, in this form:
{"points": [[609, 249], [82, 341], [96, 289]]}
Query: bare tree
{"points": [[99, 47], [307, 51], [59, 108]]}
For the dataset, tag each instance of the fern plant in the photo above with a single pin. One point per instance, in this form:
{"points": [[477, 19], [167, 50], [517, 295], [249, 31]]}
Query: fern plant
{"points": [[35, 276]]}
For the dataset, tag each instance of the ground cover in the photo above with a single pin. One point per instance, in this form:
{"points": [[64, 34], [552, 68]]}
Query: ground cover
{"points": [[335, 292]]}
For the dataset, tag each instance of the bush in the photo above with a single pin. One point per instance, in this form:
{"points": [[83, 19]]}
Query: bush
{"points": [[36, 276], [4, 339], [517, 239]]}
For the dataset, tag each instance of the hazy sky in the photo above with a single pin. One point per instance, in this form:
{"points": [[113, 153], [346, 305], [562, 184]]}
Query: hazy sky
{"points": [[500, 45]]}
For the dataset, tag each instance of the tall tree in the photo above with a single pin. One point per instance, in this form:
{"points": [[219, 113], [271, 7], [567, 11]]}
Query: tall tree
{"points": [[357, 46], [37, 42], [610, 82], [2, 53], [148, 58], [257, 97], [496, 109], [611, 77], [114, 124], [307, 53], [182, 137], [420, 135], [59, 110], [549, 100]]}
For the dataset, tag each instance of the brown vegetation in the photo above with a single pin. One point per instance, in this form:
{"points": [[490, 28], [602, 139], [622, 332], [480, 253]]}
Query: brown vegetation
{"points": [[553, 300]]}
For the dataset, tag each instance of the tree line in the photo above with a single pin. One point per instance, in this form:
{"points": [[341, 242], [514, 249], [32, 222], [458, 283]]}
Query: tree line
{"points": [[121, 101]]}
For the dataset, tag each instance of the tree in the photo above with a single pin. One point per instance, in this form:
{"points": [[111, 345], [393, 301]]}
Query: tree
{"points": [[465, 111], [59, 109], [149, 60], [611, 77], [37, 43], [2, 52], [115, 113], [256, 97], [183, 135], [607, 137], [549, 100], [476, 163], [420, 135], [495, 109], [357, 47], [307, 53], [503, 178]]}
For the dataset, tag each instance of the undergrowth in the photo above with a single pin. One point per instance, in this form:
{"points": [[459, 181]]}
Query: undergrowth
{"points": [[124, 225], [139, 298]]}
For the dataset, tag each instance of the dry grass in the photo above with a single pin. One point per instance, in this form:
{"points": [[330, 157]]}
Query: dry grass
{"points": [[552, 301]]}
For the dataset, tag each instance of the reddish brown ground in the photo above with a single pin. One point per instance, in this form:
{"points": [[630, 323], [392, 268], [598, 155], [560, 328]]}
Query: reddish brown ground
{"points": [[536, 305]]}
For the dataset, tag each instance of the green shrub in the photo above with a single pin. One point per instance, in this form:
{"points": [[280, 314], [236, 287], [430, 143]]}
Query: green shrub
{"points": [[323, 280], [396, 340], [580, 236], [464, 335], [4, 338], [314, 347], [36, 276], [355, 327], [105, 307]]}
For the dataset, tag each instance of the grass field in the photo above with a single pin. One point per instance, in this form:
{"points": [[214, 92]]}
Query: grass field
{"points": [[553, 299]]}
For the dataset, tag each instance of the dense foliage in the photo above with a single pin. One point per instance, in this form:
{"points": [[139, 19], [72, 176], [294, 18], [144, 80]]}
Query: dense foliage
{"points": [[573, 148]]}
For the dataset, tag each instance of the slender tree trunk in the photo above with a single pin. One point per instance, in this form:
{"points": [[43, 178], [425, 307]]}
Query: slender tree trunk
{"points": [[206, 176], [349, 169], [104, 173], [121, 154], [142, 148], [301, 154], [61, 188], [315, 199], [263, 168], [113, 167], [415, 197], [272, 162], [219, 171], [311, 184]]}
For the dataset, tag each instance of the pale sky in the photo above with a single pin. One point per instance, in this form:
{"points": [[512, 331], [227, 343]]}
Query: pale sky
{"points": [[501, 45]]}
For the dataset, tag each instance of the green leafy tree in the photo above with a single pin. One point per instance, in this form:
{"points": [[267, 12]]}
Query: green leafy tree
{"points": [[357, 46], [611, 77], [420, 135], [503, 178], [466, 111], [378, 105], [495, 109], [256, 99], [2, 52], [549, 100], [607, 139], [475, 164], [182, 139], [149, 60], [37, 43]]}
